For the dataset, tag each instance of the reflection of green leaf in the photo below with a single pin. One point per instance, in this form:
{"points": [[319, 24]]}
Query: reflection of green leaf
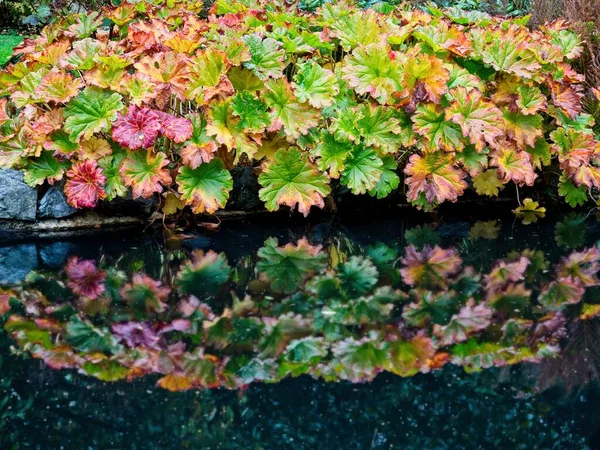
{"points": [[358, 276], [306, 350], [204, 274], [285, 267], [87, 338], [570, 232], [106, 370], [421, 236]]}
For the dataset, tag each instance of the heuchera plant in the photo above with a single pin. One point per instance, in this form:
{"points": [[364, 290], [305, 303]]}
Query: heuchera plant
{"points": [[150, 97]]}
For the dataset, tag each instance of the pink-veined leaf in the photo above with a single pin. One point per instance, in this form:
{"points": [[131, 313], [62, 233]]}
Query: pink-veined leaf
{"points": [[139, 128], [435, 175], [85, 184]]}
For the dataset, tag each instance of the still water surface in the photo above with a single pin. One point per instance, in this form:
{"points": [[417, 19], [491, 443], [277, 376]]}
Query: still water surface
{"points": [[451, 335]]}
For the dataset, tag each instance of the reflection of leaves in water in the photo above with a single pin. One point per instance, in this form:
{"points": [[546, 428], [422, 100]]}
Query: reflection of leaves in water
{"points": [[421, 236], [204, 274], [285, 267], [331, 318], [570, 233], [484, 230]]}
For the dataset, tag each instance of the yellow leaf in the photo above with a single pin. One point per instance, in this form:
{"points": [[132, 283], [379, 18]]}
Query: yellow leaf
{"points": [[488, 183], [530, 211], [172, 204]]}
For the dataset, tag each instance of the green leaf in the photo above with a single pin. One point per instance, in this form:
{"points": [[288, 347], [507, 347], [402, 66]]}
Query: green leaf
{"points": [[315, 85], [389, 180], [111, 169], [379, 128], [46, 167], [91, 111], [205, 188], [61, 142], [266, 57], [574, 195], [363, 170], [288, 266], [370, 70], [306, 350], [253, 114], [106, 370], [439, 133], [290, 179], [287, 111], [145, 173], [331, 154]]}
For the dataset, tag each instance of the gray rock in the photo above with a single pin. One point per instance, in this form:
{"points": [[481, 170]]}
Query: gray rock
{"points": [[17, 200], [16, 262], [54, 204], [55, 255], [244, 195]]}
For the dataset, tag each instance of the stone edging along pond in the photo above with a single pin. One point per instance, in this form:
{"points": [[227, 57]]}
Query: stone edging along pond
{"points": [[26, 211]]}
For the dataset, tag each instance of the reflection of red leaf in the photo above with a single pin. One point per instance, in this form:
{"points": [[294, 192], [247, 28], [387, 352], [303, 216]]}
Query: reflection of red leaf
{"points": [[146, 292], [61, 357], [84, 278], [139, 128], [4, 305], [85, 184], [432, 265], [176, 128], [136, 334], [504, 273]]}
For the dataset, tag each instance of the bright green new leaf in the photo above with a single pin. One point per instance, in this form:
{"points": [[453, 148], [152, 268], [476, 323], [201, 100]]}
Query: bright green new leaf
{"points": [[253, 114], [379, 128], [331, 154], [266, 57], [290, 179], [205, 188], [46, 167], [315, 85], [91, 111], [389, 180], [363, 170]]}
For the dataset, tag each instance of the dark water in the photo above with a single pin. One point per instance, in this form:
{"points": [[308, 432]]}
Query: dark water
{"points": [[396, 334]]}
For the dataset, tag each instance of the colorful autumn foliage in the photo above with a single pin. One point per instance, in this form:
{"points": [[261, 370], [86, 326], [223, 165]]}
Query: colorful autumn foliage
{"points": [[299, 308], [150, 97]]}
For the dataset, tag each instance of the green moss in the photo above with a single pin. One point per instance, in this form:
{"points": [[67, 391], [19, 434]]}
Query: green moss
{"points": [[7, 43]]}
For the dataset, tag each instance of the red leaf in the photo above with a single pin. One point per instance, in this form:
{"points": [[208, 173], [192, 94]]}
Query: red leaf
{"points": [[139, 128], [175, 128], [85, 184]]}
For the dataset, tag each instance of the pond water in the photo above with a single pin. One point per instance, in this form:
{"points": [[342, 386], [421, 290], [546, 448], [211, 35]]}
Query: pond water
{"points": [[396, 334]]}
